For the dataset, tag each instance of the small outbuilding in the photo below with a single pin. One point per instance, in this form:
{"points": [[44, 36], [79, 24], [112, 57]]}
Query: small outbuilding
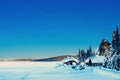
{"points": [[95, 61]]}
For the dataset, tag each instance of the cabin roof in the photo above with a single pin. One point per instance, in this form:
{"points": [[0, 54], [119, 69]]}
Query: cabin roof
{"points": [[70, 59], [96, 59]]}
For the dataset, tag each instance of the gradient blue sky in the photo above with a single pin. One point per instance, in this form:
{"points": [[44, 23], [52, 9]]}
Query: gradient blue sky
{"points": [[42, 28]]}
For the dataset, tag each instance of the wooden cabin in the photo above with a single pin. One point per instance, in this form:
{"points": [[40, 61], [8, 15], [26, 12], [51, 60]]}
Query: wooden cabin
{"points": [[95, 61]]}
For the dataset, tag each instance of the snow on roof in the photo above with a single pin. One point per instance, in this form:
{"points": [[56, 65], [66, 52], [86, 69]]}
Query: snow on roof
{"points": [[96, 59], [70, 59]]}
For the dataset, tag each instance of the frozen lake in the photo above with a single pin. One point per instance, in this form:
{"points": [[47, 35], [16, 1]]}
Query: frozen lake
{"points": [[48, 71]]}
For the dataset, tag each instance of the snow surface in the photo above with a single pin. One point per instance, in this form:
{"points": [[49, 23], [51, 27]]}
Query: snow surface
{"points": [[49, 71]]}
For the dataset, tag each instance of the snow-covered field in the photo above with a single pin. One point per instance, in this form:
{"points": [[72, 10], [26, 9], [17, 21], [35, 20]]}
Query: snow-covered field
{"points": [[49, 71]]}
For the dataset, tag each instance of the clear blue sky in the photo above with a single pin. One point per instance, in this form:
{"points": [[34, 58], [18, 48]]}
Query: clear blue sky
{"points": [[42, 28]]}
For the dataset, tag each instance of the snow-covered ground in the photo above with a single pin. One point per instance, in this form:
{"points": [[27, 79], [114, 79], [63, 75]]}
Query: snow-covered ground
{"points": [[49, 71]]}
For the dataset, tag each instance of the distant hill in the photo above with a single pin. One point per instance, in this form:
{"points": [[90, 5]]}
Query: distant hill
{"points": [[56, 58]]}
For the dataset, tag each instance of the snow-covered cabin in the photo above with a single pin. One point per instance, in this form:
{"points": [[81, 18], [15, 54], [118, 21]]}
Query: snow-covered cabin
{"points": [[95, 61], [70, 61]]}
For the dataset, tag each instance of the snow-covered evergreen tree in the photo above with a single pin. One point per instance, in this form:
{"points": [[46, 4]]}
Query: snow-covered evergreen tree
{"points": [[89, 52], [116, 41], [114, 61], [81, 56]]}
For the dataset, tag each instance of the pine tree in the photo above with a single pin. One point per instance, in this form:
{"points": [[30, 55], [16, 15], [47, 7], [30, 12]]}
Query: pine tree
{"points": [[90, 49], [116, 42], [114, 61], [79, 56], [89, 52]]}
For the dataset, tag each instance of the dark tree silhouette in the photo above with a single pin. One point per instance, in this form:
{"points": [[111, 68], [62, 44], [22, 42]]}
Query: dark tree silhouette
{"points": [[90, 62]]}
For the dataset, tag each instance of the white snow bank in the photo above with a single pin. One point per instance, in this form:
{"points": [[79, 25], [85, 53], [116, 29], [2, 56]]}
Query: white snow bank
{"points": [[26, 63], [48, 71]]}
